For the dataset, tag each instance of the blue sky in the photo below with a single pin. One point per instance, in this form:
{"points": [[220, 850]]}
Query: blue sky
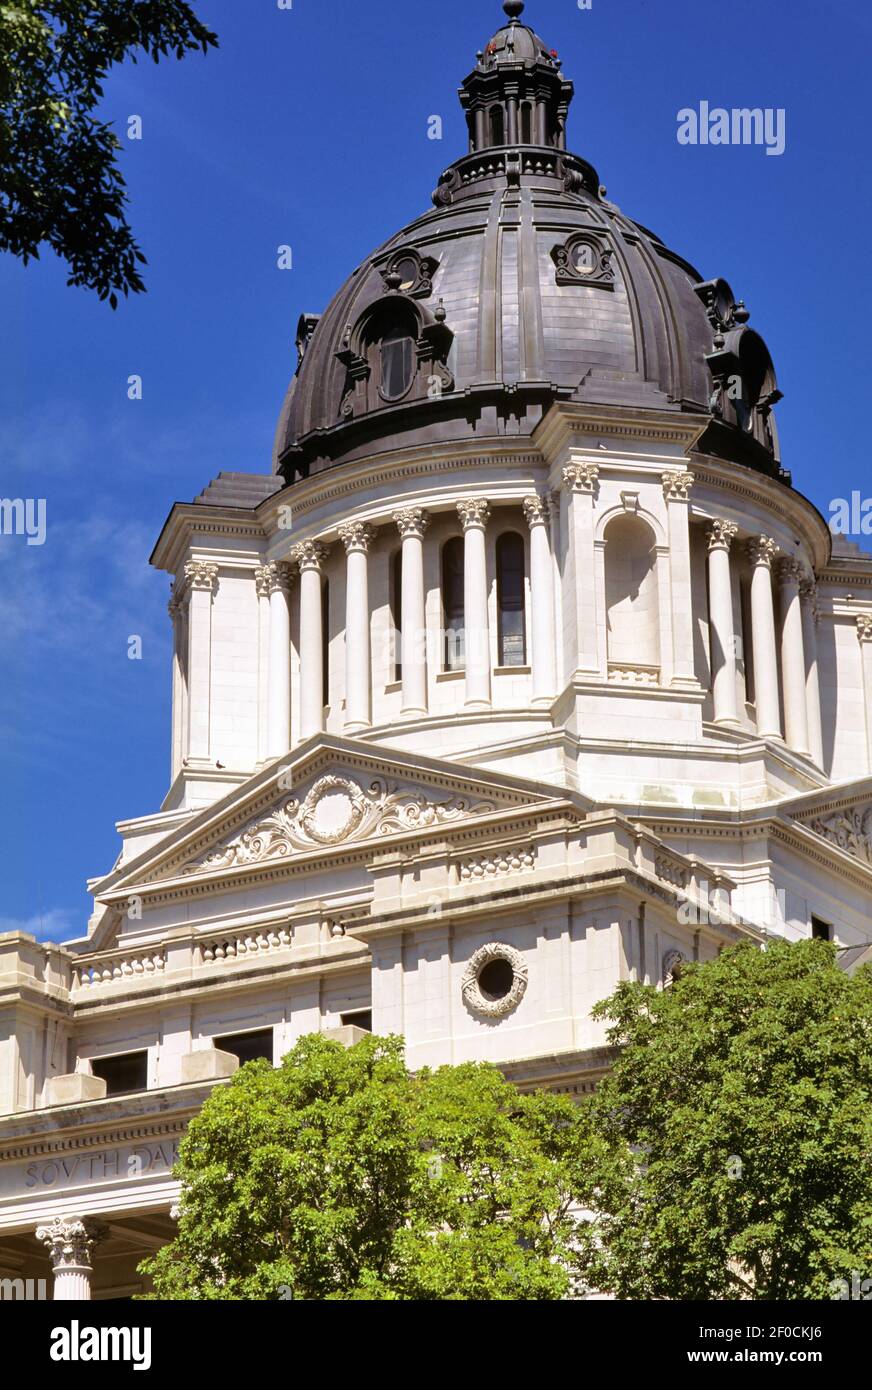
{"points": [[309, 128]]}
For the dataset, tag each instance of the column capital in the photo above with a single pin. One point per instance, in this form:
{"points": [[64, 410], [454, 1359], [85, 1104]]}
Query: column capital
{"points": [[537, 510], [790, 571], [721, 534], [202, 574], [70, 1243], [309, 555], [762, 550], [473, 511], [864, 627], [581, 477], [677, 483], [275, 577], [412, 521], [356, 535]]}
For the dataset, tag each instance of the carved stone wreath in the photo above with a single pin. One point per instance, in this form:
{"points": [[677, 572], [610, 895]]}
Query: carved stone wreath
{"points": [[470, 989], [333, 809]]}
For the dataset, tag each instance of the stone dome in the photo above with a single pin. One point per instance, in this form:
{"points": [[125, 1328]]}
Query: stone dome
{"points": [[522, 286]]}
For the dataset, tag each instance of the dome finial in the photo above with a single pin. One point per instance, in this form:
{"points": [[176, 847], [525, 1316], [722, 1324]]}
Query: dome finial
{"points": [[513, 8]]}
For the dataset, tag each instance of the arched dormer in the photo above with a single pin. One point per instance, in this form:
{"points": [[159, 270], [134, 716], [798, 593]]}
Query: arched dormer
{"points": [[397, 351]]}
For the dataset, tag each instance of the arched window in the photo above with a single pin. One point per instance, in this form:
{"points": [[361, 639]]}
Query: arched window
{"points": [[510, 600], [396, 610], [325, 639], [389, 347], [526, 123], [632, 602], [497, 125], [453, 610]]}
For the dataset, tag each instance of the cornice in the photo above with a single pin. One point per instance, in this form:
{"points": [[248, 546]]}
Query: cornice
{"points": [[190, 519]]}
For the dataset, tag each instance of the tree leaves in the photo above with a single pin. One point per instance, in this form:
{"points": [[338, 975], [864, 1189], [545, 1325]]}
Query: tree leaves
{"points": [[60, 183]]}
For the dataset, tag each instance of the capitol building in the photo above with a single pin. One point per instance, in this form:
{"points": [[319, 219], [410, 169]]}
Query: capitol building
{"points": [[524, 671]]}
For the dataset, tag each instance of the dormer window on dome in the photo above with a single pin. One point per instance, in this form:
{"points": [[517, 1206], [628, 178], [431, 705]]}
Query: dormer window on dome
{"points": [[398, 349]]}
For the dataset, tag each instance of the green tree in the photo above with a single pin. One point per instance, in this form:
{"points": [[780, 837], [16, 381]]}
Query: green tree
{"points": [[340, 1176], [60, 183], [740, 1109]]}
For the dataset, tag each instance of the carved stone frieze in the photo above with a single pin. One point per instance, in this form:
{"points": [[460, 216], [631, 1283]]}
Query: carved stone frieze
{"points": [[850, 830]]}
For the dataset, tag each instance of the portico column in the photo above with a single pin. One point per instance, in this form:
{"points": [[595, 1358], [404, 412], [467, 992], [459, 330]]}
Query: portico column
{"points": [[412, 523], [70, 1244], [761, 552], [357, 537], [202, 578], [176, 610], [808, 595], [580, 482], [790, 573], [677, 484], [310, 556], [474, 515], [723, 636], [864, 633], [277, 579], [537, 512]]}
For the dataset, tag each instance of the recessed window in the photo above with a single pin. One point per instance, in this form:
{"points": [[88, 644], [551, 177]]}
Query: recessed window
{"points": [[397, 362], [397, 613], [248, 1047], [510, 596], [495, 979], [358, 1018], [409, 270], [124, 1073], [453, 604], [325, 641], [821, 930]]}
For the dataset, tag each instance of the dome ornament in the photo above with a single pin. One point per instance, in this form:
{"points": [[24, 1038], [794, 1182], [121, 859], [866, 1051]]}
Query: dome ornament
{"points": [[513, 8]]}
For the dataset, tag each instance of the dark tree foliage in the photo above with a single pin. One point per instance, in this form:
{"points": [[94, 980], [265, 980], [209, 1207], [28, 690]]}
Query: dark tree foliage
{"points": [[60, 183]]}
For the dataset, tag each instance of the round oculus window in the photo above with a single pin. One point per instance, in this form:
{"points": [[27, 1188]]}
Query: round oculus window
{"points": [[494, 980]]}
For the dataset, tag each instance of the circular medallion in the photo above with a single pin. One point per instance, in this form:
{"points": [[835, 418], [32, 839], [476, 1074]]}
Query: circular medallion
{"points": [[494, 980]]}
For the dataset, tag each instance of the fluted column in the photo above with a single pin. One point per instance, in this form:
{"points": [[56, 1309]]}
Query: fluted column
{"points": [[677, 484], [412, 523], [202, 581], [544, 682], [721, 628], [761, 552], [310, 556], [357, 537], [276, 580], [70, 1243], [790, 573], [864, 633], [176, 610], [808, 595], [580, 482], [474, 515]]}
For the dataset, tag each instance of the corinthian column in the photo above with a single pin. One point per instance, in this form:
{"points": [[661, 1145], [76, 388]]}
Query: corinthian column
{"points": [[310, 556], [202, 581], [357, 537], [536, 510], [474, 515], [723, 636], [70, 1244], [580, 482], [808, 594], [864, 633], [762, 552], [790, 573], [677, 484], [176, 610], [276, 580], [412, 523]]}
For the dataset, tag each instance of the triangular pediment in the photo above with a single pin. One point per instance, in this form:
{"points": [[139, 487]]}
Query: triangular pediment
{"points": [[841, 815], [328, 796]]}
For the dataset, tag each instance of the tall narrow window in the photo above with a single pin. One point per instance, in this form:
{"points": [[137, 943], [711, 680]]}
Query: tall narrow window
{"points": [[453, 613], [325, 639], [510, 598], [397, 362], [396, 604], [526, 123], [497, 124]]}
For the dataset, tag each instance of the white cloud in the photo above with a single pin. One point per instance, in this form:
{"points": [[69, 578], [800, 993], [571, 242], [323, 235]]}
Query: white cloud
{"points": [[58, 924]]}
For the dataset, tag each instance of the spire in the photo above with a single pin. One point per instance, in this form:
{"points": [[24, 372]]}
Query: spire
{"points": [[516, 94]]}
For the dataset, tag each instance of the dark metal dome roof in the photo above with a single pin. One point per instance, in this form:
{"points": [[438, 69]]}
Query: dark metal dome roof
{"points": [[523, 286]]}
